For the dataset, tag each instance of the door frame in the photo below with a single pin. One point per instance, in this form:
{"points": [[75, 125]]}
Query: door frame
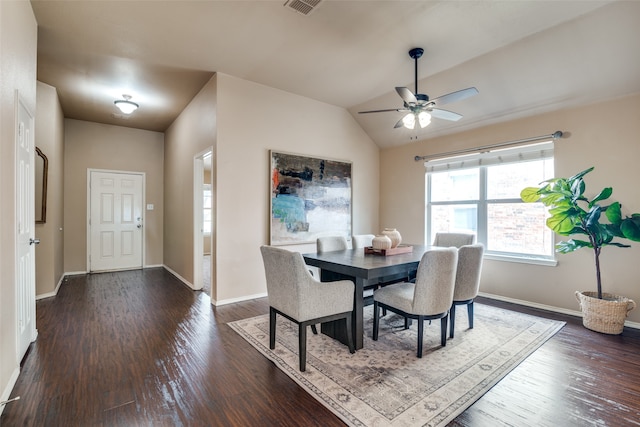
{"points": [[198, 234], [143, 210]]}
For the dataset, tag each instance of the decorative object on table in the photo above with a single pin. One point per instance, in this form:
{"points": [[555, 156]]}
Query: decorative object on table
{"points": [[571, 212], [394, 235], [402, 249], [300, 185], [381, 242], [435, 389]]}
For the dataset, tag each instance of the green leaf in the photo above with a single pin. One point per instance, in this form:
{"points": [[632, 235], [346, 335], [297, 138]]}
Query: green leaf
{"points": [[530, 195], [581, 174], [571, 245], [630, 229], [604, 195], [593, 217], [562, 224], [613, 213], [577, 189]]}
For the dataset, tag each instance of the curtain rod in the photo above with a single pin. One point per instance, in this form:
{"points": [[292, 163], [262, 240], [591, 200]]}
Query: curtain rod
{"points": [[557, 134]]}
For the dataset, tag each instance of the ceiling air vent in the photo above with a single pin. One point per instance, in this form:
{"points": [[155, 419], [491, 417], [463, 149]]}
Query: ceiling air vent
{"points": [[304, 7]]}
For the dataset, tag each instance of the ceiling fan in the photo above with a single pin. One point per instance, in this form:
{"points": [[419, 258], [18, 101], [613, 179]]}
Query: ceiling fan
{"points": [[419, 107]]}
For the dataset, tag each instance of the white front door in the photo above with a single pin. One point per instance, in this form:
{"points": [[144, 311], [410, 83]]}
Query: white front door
{"points": [[26, 267], [115, 221]]}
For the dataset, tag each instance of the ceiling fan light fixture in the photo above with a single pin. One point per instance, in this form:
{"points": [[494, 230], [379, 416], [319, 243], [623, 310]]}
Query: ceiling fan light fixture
{"points": [[409, 121], [424, 119], [126, 105]]}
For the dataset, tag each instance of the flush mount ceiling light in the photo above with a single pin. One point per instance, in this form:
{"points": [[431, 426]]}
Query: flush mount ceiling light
{"points": [[125, 105]]}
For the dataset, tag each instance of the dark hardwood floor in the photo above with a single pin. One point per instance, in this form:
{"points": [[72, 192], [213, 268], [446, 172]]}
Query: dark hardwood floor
{"points": [[138, 348]]}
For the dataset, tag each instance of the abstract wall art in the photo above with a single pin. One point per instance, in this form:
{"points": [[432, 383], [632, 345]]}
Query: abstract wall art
{"points": [[310, 197]]}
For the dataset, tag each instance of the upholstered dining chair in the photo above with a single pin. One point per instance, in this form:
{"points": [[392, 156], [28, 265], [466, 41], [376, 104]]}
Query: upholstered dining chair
{"points": [[454, 239], [430, 297], [294, 294], [467, 282], [331, 243], [359, 241]]}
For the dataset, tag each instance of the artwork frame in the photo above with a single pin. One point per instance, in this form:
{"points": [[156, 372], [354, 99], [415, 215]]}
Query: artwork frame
{"points": [[310, 197]]}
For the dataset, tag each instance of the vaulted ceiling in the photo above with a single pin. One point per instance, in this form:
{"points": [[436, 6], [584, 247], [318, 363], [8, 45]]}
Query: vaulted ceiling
{"points": [[524, 57]]}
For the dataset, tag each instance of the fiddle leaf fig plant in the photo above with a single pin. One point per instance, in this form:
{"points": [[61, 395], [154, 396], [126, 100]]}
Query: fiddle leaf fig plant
{"points": [[572, 213]]}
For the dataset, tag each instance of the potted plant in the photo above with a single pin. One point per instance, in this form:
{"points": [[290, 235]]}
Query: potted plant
{"points": [[572, 213]]}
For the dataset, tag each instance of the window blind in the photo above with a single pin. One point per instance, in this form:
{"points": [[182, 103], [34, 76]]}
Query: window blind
{"points": [[523, 153]]}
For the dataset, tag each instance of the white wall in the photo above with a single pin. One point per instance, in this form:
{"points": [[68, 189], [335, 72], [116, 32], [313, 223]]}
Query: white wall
{"points": [[18, 44], [604, 135], [253, 119], [49, 137], [90, 145]]}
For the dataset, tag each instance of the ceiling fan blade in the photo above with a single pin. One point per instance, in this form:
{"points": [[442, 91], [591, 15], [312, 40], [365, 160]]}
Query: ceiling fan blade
{"points": [[406, 95], [399, 124], [444, 114], [382, 111], [455, 96]]}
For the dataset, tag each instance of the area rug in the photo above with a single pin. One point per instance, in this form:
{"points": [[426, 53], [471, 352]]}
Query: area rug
{"points": [[385, 384]]}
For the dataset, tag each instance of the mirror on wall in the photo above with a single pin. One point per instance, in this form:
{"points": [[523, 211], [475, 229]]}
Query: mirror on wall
{"points": [[41, 165]]}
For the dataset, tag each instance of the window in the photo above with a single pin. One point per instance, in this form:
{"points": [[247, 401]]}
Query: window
{"points": [[206, 209], [480, 193]]}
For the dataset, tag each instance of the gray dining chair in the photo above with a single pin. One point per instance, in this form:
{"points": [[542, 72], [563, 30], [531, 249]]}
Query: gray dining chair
{"points": [[429, 298], [294, 294], [467, 282], [331, 243], [454, 239], [359, 241]]}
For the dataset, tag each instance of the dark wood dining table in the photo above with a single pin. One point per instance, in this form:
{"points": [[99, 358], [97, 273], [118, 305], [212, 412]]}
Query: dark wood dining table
{"points": [[365, 270]]}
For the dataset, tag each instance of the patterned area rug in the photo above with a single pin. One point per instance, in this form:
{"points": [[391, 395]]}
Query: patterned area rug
{"points": [[385, 384]]}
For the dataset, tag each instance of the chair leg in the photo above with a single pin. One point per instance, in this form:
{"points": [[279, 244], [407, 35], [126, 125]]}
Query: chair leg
{"points": [[302, 346], [443, 331], [407, 323], [470, 313], [452, 314], [272, 328], [376, 321], [314, 330], [420, 333], [352, 348]]}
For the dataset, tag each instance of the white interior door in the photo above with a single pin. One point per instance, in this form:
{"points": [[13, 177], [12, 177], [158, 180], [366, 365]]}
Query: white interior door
{"points": [[115, 221], [26, 267]]}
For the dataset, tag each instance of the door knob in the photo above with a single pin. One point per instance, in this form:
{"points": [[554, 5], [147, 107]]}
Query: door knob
{"points": [[34, 241], [139, 225]]}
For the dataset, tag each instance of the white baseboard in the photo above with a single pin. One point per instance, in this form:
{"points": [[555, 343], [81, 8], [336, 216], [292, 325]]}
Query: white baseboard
{"points": [[239, 299], [577, 313], [7, 389], [55, 291], [154, 266], [182, 279], [75, 273]]}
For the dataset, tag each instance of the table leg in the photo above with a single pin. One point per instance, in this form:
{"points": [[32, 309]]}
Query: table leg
{"points": [[357, 322], [337, 328]]}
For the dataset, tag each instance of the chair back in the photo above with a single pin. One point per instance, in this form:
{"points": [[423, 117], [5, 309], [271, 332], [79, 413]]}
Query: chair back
{"points": [[331, 243], [435, 281], [286, 275], [454, 239], [359, 241], [468, 272]]}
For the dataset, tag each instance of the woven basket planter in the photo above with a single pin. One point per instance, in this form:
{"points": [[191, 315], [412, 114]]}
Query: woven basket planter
{"points": [[604, 315]]}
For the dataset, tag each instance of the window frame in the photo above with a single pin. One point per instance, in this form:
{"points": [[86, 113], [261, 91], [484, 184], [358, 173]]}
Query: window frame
{"points": [[482, 205]]}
